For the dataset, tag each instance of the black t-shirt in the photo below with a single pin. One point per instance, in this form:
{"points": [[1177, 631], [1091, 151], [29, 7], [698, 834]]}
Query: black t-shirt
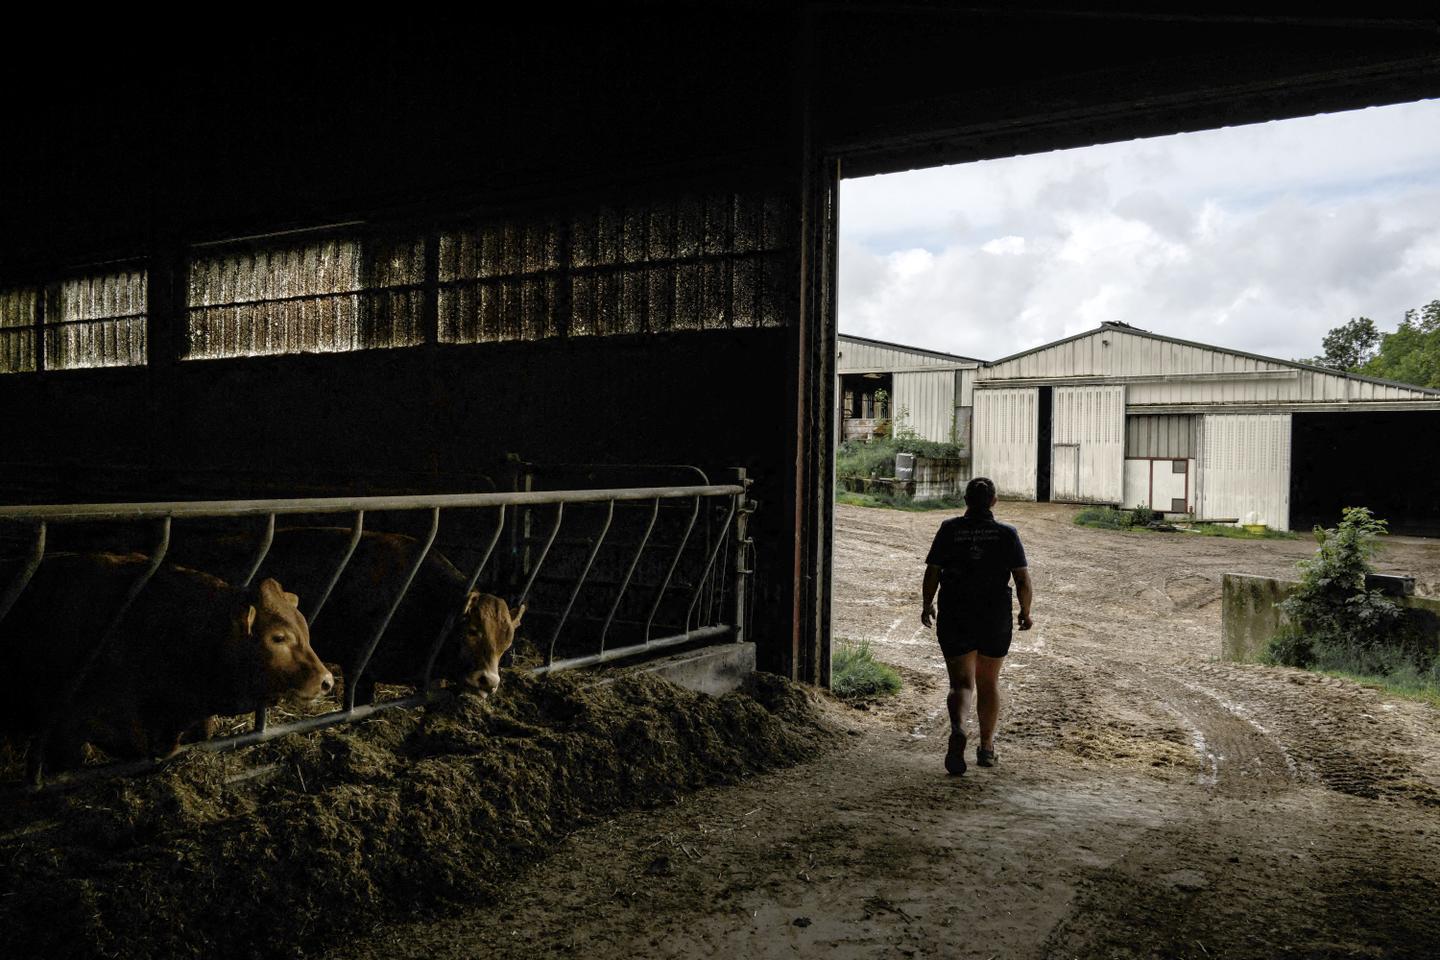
{"points": [[975, 554]]}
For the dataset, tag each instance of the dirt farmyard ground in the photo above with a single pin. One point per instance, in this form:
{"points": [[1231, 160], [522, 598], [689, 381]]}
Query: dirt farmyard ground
{"points": [[1149, 802]]}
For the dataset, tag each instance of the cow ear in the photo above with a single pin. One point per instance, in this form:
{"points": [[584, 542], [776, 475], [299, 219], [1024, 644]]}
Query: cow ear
{"points": [[471, 600], [249, 619], [515, 617]]}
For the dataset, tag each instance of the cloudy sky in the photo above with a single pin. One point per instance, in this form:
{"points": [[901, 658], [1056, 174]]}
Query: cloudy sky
{"points": [[1259, 237]]}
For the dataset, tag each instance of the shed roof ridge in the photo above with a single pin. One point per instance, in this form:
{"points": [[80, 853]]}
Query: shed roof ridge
{"points": [[1137, 331], [907, 347]]}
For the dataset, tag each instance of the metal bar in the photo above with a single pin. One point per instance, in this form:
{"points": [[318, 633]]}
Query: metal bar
{"points": [[464, 595], [79, 676], [180, 510], [674, 562], [544, 552], [353, 677], [21, 580], [355, 533], [580, 582], [630, 572], [619, 653], [261, 552], [710, 562]]}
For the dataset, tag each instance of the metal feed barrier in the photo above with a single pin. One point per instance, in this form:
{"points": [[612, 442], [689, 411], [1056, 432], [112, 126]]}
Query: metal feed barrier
{"points": [[718, 587]]}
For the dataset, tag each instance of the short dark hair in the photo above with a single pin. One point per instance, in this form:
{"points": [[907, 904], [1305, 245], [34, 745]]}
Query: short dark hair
{"points": [[979, 492]]}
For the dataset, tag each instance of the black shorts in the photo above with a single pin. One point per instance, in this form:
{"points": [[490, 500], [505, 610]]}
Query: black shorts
{"points": [[960, 634]]}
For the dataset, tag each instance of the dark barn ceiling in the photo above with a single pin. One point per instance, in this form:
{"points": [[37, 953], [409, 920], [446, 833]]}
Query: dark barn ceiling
{"points": [[223, 133]]}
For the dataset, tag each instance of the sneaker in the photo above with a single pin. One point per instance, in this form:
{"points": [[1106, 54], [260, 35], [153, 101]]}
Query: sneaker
{"points": [[955, 754], [984, 758]]}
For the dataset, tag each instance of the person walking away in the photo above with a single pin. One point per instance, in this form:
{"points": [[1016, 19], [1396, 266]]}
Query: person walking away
{"points": [[971, 563]]}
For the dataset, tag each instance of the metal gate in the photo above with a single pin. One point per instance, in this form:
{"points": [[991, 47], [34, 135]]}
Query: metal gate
{"points": [[681, 578]]}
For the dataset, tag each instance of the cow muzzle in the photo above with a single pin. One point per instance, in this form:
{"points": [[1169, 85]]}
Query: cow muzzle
{"points": [[483, 682]]}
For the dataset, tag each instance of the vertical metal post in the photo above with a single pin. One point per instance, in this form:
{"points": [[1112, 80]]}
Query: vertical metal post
{"points": [[353, 677], [22, 579], [429, 672], [674, 562], [544, 552], [742, 573], [580, 582], [355, 533]]}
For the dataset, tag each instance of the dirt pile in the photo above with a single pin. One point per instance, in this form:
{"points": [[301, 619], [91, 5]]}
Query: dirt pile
{"points": [[408, 813]]}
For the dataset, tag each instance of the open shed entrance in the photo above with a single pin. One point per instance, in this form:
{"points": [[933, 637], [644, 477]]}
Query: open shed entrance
{"points": [[1388, 461]]}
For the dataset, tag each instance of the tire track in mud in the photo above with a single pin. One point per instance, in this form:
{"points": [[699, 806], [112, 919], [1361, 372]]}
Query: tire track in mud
{"points": [[1338, 733]]}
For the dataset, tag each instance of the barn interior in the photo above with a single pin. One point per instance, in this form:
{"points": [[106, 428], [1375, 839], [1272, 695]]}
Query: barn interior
{"points": [[571, 235]]}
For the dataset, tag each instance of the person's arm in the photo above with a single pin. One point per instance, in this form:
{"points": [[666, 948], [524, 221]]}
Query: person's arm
{"points": [[1025, 594], [927, 593]]}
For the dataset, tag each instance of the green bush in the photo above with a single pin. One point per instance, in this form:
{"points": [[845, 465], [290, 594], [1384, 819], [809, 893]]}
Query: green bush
{"points": [[857, 675], [1335, 625], [1106, 518], [1331, 614], [1142, 516]]}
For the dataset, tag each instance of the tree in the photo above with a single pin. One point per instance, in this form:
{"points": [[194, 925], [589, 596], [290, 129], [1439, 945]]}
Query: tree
{"points": [[1412, 353], [1349, 346]]}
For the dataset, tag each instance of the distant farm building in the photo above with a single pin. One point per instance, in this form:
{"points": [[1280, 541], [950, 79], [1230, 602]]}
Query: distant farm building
{"points": [[879, 383], [1122, 416]]}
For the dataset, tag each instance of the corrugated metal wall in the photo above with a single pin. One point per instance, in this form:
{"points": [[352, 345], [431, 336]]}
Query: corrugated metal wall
{"points": [[1088, 435], [1151, 435], [1118, 353], [1245, 468], [1005, 439], [927, 401]]}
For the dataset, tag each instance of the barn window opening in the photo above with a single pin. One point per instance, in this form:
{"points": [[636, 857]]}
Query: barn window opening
{"points": [[96, 321], [19, 316], [689, 263], [329, 295], [91, 320]]}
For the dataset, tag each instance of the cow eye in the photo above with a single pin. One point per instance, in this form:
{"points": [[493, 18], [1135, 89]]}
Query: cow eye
{"points": [[279, 638]]}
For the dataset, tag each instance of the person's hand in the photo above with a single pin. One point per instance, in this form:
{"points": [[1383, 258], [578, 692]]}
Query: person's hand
{"points": [[1025, 622], [927, 615]]}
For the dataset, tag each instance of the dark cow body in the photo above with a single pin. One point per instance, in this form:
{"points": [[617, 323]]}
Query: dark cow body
{"points": [[304, 558], [189, 648]]}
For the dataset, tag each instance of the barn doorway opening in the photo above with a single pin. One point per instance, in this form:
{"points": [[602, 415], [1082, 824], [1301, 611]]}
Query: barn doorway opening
{"points": [[1044, 414], [1115, 326]]}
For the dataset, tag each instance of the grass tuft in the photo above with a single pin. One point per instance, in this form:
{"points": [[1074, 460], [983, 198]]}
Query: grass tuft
{"points": [[857, 675]]}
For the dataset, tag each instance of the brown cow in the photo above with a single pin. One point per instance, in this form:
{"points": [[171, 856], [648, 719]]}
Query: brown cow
{"points": [[305, 558], [189, 648]]}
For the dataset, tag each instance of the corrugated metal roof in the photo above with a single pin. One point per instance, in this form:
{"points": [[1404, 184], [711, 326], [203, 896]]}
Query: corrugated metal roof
{"points": [[1136, 331], [909, 349]]}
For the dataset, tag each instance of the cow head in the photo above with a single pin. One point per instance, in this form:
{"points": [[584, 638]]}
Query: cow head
{"points": [[276, 639], [489, 631]]}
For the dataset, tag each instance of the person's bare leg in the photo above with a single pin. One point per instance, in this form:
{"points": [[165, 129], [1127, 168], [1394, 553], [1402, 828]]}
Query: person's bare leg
{"points": [[987, 688], [961, 699], [959, 702]]}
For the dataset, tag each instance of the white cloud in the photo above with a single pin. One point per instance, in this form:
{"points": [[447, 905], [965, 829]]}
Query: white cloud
{"points": [[1259, 238]]}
